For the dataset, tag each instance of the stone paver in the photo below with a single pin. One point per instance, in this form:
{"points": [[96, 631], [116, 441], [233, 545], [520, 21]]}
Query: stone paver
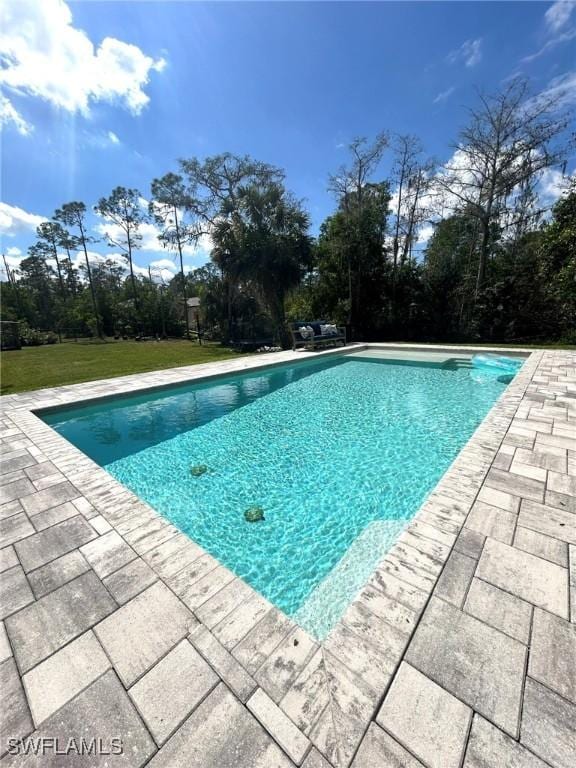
{"points": [[54, 515], [499, 609], [541, 545], [375, 664], [167, 694], [531, 578], [58, 679], [259, 643], [8, 558], [292, 741], [5, 649], [286, 662], [43, 547], [563, 483], [139, 633], [15, 591], [549, 725], [15, 720], [50, 497], [476, 663], [14, 528], [315, 760], [499, 498], [129, 581], [15, 490], [524, 487], [378, 748], [351, 704], [426, 719], [309, 696], [455, 579], [108, 553], [488, 747], [494, 644], [101, 711], [205, 738], [553, 654], [11, 507], [234, 627], [49, 577], [492, 521], [229, 670], [548, 520], [46, 625]]}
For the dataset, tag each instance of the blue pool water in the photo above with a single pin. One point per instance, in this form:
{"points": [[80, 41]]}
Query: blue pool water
{"points": [[339, 454]]}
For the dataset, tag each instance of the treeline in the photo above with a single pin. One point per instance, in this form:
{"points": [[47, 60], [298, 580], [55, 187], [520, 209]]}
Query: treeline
{"points": [[497, 267]]}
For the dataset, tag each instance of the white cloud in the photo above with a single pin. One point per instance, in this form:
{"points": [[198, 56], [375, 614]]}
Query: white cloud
{"points": [[9, 116], [552, 185], [166, 264], [13, 251], [470, 52], [444, 95], [79, 260], [100, 139], [424, 235], [15, 221], [561, 90], [563, 38], [150, 242], [43, 55], [13, 264], [558, 14], [556, 19]]}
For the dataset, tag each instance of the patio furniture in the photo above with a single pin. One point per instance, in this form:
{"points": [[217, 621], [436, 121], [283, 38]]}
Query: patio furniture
{"points": [[316, 333]]}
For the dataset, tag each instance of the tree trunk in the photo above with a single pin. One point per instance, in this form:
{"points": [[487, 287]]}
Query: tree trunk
{"points": [[59, 271], [483, 257], [91, 284], [184, 287]]}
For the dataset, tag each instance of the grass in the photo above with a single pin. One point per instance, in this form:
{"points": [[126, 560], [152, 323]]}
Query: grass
{"points": [[70, 363]]}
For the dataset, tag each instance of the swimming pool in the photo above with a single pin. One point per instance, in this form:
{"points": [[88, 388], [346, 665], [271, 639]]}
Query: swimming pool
{"points": [[337, 453]]}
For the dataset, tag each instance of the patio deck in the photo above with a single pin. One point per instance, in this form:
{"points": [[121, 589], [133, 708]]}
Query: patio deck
{"points": [[459, 651]]}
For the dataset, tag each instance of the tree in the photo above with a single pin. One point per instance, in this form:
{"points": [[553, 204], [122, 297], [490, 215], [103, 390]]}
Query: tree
{"points": [[269, 237], [214, 187], [50, 236], [356, 233], [352, 271], [557, 254], [354, 193], [74, 215], [450, 264], [167, 207], [407, 150], [509, 141], [35, 274], [123, 210]]}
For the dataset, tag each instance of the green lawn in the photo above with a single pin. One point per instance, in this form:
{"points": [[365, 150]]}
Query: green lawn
{"points": [[70, 363]]}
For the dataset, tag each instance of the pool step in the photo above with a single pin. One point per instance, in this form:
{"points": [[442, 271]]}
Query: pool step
{"points": [[459, 362]]}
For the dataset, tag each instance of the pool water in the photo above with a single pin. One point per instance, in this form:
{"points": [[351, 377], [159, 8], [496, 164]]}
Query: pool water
{"points": [[338, 454]]}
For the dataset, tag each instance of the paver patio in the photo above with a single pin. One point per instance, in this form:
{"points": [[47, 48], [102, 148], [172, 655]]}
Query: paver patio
{"points": [[459, 651]]}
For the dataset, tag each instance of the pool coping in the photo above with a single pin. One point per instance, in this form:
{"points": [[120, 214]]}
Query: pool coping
{"points": [[332, 690]]}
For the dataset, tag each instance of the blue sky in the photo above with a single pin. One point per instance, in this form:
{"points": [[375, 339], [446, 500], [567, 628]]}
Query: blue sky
{"points": [[97, 94]]}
